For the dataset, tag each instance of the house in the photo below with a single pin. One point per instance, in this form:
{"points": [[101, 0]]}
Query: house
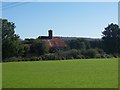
{"points": [[55, 43]]}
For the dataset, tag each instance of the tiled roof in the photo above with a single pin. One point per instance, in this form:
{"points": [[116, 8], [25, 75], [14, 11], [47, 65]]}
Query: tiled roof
{"points": [[56, 42]]}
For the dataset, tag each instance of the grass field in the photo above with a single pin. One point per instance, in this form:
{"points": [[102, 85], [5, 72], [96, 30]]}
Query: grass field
{"points": [[0, 76], [83, 73]]}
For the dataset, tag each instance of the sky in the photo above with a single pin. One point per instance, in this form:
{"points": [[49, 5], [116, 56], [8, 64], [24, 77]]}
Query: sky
{"points": [[66, 19], [60, 0]]}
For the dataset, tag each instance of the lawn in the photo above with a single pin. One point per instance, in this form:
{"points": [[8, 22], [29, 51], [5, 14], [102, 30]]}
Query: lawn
{"points": [[0, 76], [82, 73]]}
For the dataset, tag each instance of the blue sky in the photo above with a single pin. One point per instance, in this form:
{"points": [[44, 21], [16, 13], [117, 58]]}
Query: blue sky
{"points": [[68, 19]]}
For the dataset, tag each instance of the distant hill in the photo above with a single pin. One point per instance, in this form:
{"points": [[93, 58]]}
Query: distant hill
{"points": [[74, 38]]}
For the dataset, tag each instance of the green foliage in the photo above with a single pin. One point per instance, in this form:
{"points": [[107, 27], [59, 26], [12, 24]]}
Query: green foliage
{"points": [[90, 53], [78, 44], [83, 73], [64, 55], [26, 49], [39, 47], [96, 44], [81, 44], [11, 48], [8, 29], [11, 44], [111, 38]]}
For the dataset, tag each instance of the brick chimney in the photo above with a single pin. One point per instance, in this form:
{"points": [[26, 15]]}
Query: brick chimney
{"points": [[50, 34]]}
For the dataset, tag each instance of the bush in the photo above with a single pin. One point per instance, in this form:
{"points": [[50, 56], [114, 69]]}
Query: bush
{"points": [[90, 53], [11, 59], [63, 55]]}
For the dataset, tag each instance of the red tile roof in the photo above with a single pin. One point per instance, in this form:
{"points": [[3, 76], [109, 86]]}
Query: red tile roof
{"points": [[56, 42]]}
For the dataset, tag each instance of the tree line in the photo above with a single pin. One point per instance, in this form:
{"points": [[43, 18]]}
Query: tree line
{"points": [[16, 49]]}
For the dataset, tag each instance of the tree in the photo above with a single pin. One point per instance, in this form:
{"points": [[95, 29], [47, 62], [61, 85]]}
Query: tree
{"points": [[111, 38], [96, 43], [78, 44], [39, 47], [11, 44], [26, 50]]}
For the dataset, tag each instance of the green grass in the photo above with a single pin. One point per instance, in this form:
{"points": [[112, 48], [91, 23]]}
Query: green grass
{"points": [[0, 76], [83, 73]]}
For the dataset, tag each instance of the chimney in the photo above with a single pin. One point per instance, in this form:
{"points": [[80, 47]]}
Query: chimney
{"points": [[50, 34]]}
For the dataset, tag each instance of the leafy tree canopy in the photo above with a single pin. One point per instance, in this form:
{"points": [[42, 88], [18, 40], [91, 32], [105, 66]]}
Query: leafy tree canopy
{"points": [[111, 38], [11, 45]]}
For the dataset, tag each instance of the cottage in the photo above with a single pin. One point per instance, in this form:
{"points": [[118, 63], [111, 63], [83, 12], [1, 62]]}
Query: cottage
{"points": [[55, 43]]}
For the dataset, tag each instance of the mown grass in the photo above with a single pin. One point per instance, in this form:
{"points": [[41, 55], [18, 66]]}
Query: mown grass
{"points": [[83, 73], [0, 75]]}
